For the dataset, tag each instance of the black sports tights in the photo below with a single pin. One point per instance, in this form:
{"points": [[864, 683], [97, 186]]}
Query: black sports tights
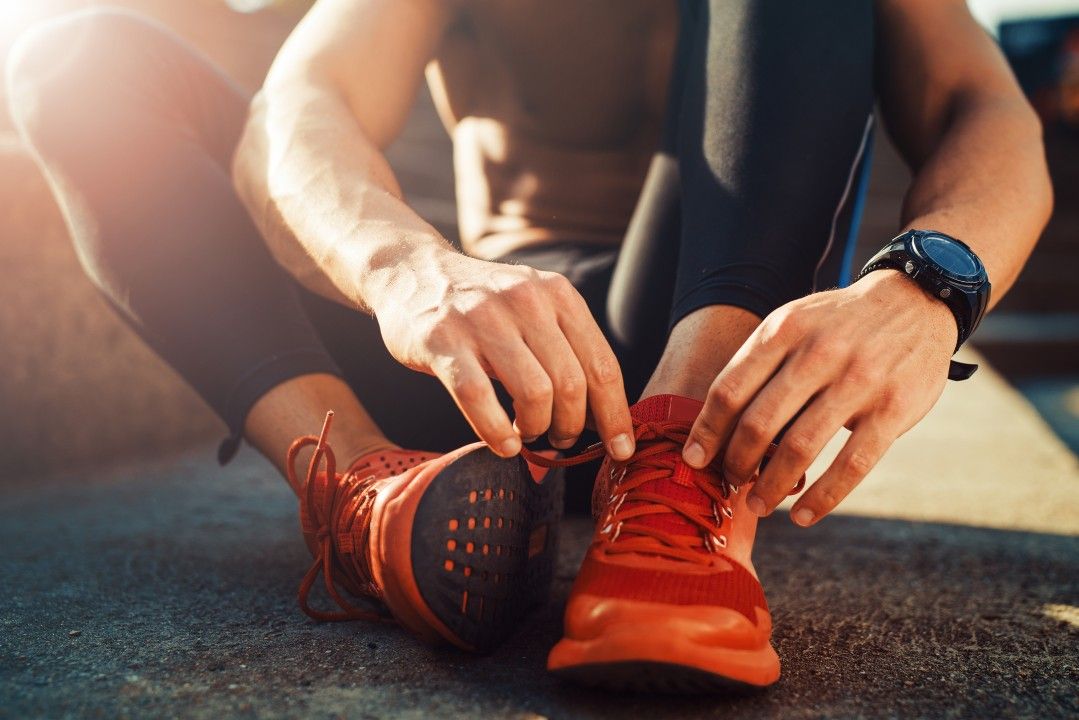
{"points": [[769, 113]]}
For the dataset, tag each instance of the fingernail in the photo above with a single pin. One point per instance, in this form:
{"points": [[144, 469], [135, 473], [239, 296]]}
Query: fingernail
{"points": [[803, 517], [510, 447], [621, 446], [756, 505], [563, 443], [693, 454]]}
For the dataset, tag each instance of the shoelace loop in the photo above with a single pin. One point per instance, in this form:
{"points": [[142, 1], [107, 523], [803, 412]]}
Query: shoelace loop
{"points": [[349, 497], [628, 501]]}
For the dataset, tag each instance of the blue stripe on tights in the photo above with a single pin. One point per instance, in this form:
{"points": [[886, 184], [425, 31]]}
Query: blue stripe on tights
{"points": [[856, 214]]}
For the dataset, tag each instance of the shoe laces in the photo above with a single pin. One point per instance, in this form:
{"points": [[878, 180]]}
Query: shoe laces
{"points": [[632, 499], [346, 502]]}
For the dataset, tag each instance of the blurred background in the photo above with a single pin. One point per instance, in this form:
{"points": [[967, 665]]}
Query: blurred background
{"points": [[77, 388]]}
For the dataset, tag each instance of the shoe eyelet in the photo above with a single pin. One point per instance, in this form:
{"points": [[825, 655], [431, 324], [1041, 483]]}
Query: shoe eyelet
{"points": [[715, 543]]}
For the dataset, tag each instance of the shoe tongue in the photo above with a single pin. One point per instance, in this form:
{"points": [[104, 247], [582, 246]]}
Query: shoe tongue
{"points": [[679, 484], [658, 408]]}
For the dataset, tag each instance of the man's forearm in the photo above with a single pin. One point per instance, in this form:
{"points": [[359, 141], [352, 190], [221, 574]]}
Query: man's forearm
{"points": [[324, 197], [986, 183]]}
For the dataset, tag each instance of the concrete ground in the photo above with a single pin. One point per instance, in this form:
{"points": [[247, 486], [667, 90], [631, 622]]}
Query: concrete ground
{"points": [[949, 587]]}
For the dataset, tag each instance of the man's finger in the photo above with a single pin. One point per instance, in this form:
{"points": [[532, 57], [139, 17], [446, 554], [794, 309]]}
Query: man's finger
{"points": [[730, 393], [799, 447], [471, 389], [570, 385], [864, 448], [606, 391], [527, 383], [764, 418]]}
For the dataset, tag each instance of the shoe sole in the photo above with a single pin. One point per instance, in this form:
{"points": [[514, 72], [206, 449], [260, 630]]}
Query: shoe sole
{"points": [[484, 546], [653, 677], [654, 656]]}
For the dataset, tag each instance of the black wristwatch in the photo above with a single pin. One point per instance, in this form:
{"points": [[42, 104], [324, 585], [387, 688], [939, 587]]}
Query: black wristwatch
{"points": [[948, 270]]}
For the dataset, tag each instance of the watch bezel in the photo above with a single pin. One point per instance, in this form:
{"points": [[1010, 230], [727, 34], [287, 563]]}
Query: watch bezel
{"points": [[917, 249]]}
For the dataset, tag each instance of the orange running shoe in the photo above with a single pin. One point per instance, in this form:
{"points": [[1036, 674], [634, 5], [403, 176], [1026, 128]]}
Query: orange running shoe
{"points": [[667, 598], [454, 547]]}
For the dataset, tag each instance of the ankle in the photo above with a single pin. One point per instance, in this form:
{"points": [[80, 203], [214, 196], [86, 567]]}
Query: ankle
{"points": [[699, 346], [674, 377], [345, 452], [298, 406]]}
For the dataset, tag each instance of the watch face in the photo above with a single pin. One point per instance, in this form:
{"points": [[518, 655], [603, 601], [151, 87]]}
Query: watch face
{"points": [[952, 257]]}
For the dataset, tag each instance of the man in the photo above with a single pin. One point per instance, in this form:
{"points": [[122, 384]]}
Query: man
{"points": [[622, 235]]}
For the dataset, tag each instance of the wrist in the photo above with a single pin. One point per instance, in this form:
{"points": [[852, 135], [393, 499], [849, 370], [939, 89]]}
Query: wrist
{"points": [[900, 294], [392, 278], [946, 268]]}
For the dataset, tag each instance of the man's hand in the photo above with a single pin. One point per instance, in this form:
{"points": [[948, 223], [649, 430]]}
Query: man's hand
{"points": [[872, 357], [466, 320]]}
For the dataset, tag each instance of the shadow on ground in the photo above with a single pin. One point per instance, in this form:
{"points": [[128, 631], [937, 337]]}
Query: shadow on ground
{"points": [[169, 591]]}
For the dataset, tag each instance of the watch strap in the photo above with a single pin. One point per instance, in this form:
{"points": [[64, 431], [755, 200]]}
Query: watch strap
{"points": [[961, 370]]}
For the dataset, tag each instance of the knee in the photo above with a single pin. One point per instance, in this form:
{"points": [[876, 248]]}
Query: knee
{"points": [[64, 68]]}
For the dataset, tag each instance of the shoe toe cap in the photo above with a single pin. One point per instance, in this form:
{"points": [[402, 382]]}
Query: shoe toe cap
{"points": [[590, 616]]}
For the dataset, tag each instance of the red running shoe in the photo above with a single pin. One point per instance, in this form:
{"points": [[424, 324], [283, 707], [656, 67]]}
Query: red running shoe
{"points": [[454, 547], [667, 598]]}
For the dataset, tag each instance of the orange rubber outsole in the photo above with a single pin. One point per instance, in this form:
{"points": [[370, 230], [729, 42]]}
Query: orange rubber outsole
{"points": [[455, 549], [658, 655]]}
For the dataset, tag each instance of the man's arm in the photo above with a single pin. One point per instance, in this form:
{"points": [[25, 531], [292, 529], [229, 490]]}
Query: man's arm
{"points": [[309, 166], [971, 139], [310, 170], [874, 356]]}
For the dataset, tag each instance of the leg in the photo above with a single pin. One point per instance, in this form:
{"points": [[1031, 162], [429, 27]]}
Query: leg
{"points": [[772, 117], [667, 597], [135, 131]]}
